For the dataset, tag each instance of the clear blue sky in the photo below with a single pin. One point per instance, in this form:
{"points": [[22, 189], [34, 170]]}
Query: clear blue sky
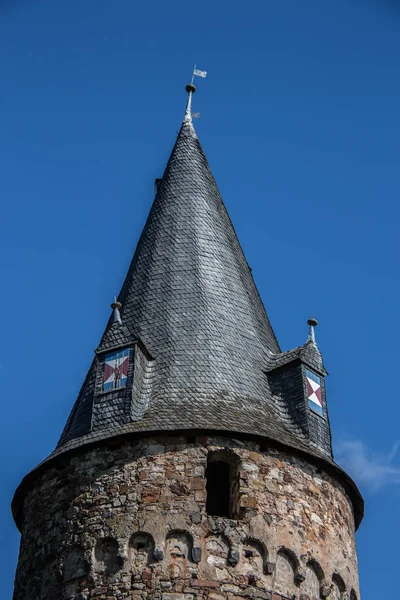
{"points": [[300, 121]]}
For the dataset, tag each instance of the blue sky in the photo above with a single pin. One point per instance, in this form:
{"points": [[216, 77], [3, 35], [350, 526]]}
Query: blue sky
{"points": [[300, 121]]}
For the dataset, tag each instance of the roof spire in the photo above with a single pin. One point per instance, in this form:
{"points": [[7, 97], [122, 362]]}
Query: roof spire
{"points": [[312, 323], [190, 88], [116, 314]]}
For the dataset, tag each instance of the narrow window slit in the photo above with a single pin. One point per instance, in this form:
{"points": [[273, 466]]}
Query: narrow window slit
{"points": [[218, 489]]}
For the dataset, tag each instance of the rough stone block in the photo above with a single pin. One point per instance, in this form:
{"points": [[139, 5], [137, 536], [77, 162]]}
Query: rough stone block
{"points": [[173, 596], [233, 558], [165, 585], [179, 489], [195, 518], [228, 587], [200, 496], [215, 596], [146, 575], [204, 584], [198, 483]]}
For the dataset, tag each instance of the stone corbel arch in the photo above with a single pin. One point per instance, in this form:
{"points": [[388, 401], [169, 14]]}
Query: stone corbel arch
{"points": [[156, 528], [229, 536], [324, 589], [184, 543], [107, 557], [75, 564], [260, 546], [219, 545], [298, 571], [141, 549], [338, 582]]}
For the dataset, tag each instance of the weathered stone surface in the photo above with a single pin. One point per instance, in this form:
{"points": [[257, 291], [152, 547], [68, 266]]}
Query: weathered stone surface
{"points": [[130, 522]]}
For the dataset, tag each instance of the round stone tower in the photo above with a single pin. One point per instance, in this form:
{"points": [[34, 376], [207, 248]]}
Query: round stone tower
{"points": [[196, 462]]}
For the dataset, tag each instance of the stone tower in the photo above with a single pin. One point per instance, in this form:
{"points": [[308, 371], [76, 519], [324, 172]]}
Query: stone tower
{"points": [[196, 463]]}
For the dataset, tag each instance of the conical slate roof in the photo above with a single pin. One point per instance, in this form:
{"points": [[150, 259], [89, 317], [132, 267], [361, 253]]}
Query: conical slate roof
{"points": [[190, 298], [190, 302]]}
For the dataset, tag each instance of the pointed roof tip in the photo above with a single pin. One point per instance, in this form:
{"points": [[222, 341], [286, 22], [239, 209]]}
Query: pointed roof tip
{"points": [[116, 314], [312, 323]]}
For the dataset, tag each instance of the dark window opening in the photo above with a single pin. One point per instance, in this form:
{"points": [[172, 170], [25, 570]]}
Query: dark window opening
{"points": [[218, 489]]}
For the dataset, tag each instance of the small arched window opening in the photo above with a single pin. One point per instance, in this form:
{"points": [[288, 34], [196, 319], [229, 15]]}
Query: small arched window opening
{"points": [[222, 484]]}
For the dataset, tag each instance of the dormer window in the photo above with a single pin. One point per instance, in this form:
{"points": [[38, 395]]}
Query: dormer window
{"points": [[116, 365]]}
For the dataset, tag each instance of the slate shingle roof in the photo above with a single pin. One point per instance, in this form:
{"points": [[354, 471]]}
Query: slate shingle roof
{"points": [[190, 299], [189, 296], [308, 353]]}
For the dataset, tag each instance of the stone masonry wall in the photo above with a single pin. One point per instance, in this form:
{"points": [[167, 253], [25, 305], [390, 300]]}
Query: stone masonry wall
{"points": [[129, 521]]}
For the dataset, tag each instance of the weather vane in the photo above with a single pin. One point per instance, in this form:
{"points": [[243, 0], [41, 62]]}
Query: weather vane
{"points": [[198, 73], [191, 88]]}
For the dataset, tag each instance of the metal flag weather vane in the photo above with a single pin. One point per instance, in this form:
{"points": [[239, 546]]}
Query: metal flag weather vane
{"points": [[197, 73]]}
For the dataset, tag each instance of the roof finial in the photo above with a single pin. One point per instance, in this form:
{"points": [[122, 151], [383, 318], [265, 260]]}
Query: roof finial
{"points": [[191, 88], [116, 314], [312, 323]]}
